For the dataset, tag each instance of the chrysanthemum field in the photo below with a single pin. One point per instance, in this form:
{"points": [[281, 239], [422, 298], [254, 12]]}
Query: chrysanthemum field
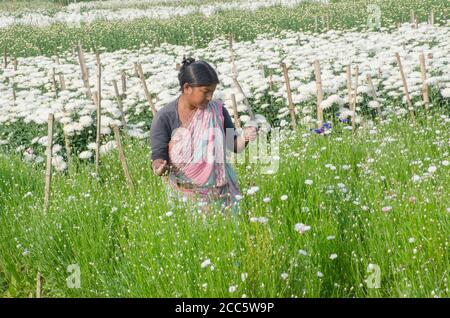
{"points": [[353, 98]]}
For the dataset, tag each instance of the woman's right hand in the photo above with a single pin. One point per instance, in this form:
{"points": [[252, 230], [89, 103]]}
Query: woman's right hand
{"points": [[159, 166]]}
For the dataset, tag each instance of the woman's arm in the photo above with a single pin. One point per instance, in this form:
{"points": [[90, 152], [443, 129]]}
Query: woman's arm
{"points": [[249, 134], [159, 166], [160, 137], [235, 142]]}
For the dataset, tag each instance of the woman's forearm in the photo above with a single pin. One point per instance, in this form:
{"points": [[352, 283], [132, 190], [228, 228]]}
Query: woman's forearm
{"points": [[240, 144]]}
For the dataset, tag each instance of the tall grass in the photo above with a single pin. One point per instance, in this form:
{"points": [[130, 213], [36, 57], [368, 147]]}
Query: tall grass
{"points": [[128, 245]]}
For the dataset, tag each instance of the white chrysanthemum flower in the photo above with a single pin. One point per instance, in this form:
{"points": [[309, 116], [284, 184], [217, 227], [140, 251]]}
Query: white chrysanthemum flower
{"points": [[56, 148], [205, 263], [92, 146], [106, 148], [85, 154], [86, 121], [446, 92], [302, 228], [58, 163], [374, 104]]}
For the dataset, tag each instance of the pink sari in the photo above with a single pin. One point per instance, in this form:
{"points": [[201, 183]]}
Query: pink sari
{"points": [[197, 156]]}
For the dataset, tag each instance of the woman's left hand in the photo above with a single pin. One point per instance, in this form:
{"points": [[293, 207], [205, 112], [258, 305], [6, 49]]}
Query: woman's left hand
{"points": [[250, 133]]}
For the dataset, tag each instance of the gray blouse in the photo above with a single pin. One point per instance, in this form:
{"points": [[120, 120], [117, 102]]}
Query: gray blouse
{"points": [[167, 120]]}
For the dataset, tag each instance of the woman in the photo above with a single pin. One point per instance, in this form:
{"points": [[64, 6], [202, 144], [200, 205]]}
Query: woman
{"points": [[189, 138]]}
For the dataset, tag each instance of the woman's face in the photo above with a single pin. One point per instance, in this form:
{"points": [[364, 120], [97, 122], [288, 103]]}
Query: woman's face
{"points": [[199, 97]]}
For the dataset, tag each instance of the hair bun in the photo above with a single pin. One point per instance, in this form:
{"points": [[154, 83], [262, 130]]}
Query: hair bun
{"points": [[187, 61]]}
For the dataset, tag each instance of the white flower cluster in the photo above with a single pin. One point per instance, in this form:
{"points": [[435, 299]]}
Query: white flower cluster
{"points": [[130, 10]]}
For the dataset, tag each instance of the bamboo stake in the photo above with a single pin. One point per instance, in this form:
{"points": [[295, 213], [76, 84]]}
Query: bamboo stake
{"points": [[270, 79], [15, 63], [144, 84], [354, 99], [423, 72], [289, 94], [349, 84], [119, 101], [319, 92], [246, 102], [99, 113], [98, 132], [124, 83], [68, 152], [123, 159], [236, 82], [263, 73], [412, 17], [14, 93], [48, 172], [405, 85], [54, 81], [84, 71], [38, 285], [62, 81], [5, 57], [232, 56], [372, 91], [237, 122], [432, 17]]}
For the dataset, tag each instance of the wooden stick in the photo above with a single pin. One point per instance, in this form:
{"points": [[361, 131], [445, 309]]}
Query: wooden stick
{"points": [[412, 17], [38, 285], [119, 101], [54, 81], [98, 132], [84, 72], [48, 172], [5, 57], [354, 99], [423, 72], [270, 79], [123, 159], [232, 56], [144, 84], [124, 83], [405, 85], [246, 102], [237, 121], [99, 112], [315, 24], [62, 81], [68, 152], [15, 63], [432, 17], [349, 84], [193, 36], [289, 94], [372, 91], [319, 92], [14, 93]]}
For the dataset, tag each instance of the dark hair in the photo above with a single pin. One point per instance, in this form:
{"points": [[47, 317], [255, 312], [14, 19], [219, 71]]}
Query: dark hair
{"points": [[196, 73]]}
